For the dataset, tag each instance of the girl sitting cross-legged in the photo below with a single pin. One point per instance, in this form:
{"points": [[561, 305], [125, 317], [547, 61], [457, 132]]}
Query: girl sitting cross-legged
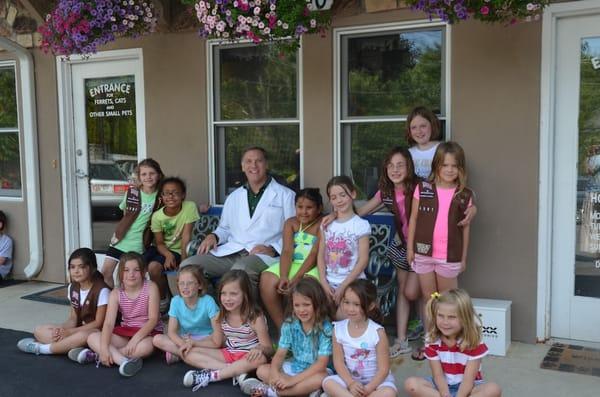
{"points": [[239, 344], [306, 334]]}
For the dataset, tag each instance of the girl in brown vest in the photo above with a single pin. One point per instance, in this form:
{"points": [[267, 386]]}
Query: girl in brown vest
{"points": [[88, 295], [437, 242]]}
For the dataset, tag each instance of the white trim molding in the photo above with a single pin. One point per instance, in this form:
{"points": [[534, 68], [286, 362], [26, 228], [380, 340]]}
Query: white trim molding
{"points": [[30, 153], [552, 14]]}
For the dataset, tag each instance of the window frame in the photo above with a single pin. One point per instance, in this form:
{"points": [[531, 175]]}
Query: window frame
{"points": [[18, 197], [340, 97], [214, 171]]}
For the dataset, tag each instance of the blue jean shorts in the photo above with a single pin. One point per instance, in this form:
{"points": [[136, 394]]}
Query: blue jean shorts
{"points": [[454, 388]]}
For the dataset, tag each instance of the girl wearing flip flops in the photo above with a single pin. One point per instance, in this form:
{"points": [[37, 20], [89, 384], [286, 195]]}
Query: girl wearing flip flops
{"points": [[192, 316], [127, 343], [88, 294]]}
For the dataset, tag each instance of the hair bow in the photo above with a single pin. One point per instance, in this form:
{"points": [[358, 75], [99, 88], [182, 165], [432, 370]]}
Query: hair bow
{"points": [[435, 295]]}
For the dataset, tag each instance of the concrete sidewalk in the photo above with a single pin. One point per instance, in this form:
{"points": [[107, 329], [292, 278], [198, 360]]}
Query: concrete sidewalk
{"points": [[519, 373]]}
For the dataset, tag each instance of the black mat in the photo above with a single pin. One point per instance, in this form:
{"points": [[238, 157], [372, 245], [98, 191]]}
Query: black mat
{"points": [[572, 358], [57, 295], [27, 375], [9, 282]]}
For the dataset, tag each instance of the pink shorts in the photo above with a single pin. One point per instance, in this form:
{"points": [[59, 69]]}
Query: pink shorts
{"points": [[425, 264], [231, 357]]}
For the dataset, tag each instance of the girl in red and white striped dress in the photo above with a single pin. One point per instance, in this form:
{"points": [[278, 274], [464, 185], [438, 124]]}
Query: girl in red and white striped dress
{"points": [[137, 300], [454, 350], [240, 341]]}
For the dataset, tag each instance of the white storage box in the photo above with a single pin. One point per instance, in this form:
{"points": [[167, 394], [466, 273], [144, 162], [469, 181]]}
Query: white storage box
{"points": [[495, 318]]}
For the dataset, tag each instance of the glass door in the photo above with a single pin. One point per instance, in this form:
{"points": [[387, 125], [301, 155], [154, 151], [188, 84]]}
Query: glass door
{"points": [[106, 107], [576, 260]]}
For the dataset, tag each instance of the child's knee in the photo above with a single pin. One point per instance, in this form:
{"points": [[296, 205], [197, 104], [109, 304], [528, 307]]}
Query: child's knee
{"points": [[155, 268], [412, 384], [157, 340], [493, 390]]}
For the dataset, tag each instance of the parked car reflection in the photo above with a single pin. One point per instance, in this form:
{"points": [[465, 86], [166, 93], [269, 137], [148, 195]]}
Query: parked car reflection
{"points": [[108, 184]]}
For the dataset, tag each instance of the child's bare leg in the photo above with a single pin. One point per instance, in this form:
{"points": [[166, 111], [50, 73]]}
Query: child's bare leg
{"points": [[486, 390], [264, 373], [155, 270], [334, 389], [143, 349], [305, 387], [446, 284], [271, 298], [45, 333], [419, 387], [78, 339], [402, 305], [241, 366], [116, 342], [383, 392], [164, 343], [428, 284], [108, 269], [204, 357]]}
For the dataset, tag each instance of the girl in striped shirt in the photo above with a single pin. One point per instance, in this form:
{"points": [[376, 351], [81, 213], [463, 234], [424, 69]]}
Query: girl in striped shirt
{"points": [[241, 343], [137, 300], [454, 350]]}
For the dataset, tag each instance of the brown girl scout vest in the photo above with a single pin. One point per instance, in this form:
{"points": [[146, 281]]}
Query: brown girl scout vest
{"points": [[390, 203], [86, 311], [428, 209]]}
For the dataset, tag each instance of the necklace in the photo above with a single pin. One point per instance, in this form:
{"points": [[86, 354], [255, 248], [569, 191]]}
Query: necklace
{"points": [[302, 229]]}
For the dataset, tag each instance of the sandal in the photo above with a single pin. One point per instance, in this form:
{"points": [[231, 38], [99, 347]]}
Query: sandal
{"points": [[399, 347], [418, 354]]}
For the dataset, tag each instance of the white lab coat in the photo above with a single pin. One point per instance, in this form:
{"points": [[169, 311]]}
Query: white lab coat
{"points": [[237, 231]]}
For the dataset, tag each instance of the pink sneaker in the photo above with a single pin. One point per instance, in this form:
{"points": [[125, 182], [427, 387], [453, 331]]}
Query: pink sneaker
{"points": [[171, 358]]}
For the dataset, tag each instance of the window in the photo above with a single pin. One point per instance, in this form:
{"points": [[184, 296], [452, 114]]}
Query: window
{"points": [[383, 74], [255, 102], [10, 159]]}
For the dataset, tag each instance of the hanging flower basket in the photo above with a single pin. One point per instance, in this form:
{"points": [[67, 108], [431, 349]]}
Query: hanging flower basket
{"points": [[260, 21], [81, 26], [501, 11]]}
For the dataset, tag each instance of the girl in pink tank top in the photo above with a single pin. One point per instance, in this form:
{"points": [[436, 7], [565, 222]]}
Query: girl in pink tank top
{"points": [[137, 300]]}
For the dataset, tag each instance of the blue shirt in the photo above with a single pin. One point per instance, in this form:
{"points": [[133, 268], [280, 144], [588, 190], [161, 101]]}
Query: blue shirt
{"points": [[305, 347], [194, 321]]}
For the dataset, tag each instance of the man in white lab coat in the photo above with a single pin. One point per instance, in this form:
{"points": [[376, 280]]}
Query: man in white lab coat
{"points": [[249, 235]]}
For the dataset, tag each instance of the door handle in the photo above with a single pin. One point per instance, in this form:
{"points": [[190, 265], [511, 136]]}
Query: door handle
{"points": [[80, 174]]}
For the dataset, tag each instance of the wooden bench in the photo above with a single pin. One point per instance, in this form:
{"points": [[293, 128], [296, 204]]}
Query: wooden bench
{"points": [[379, 270]]}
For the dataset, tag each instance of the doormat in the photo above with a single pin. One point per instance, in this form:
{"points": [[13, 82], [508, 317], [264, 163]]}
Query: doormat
{"points": [[57, 295], [9, 282], [572, 358]]}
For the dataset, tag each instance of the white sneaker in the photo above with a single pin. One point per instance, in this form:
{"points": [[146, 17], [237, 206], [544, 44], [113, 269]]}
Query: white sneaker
{"points": [[196, 379], [83, 355], [253, 386], [29, 345], [237, 380], [130, 366]]}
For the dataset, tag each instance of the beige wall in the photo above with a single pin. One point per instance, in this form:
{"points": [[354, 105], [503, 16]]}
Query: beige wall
{"points": [[494, 115]]}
